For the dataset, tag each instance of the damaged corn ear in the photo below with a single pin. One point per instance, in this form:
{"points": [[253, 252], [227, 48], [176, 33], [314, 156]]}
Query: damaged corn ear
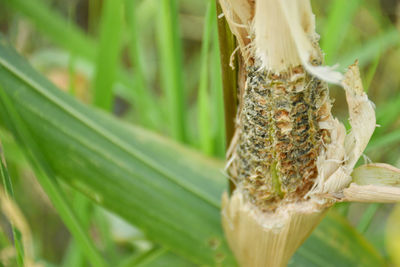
{"points": [[279, 135], [289, 159]]}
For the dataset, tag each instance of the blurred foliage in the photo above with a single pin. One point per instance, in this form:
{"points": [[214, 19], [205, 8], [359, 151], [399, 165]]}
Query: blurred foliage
{"points": [[153, 63]]}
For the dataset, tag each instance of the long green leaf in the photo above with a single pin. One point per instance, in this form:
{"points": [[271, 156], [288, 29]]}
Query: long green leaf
{"points": [[203, 98], [341, 13], [63, 33], [229, 76], [108, 54], [157, 257], [135, 51], [340, 245], [170, 50], [217, 92], [8, 188], [73, 39], [368, 51], [170, 192], [47, 180]]}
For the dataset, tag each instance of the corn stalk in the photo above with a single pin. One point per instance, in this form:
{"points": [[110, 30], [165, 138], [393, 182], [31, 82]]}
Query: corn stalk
{"points": [[290, 159]]}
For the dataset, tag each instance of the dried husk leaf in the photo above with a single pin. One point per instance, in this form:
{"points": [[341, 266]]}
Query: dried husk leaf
{"points": [[362, 116], [370, 194], [276, 51], [239, 14], [337, 163], [285, 37], [377, 174], [260, 239]]}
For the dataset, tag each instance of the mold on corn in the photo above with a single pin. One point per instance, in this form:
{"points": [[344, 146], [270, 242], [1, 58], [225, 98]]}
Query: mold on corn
{"points": [[279, 137]]}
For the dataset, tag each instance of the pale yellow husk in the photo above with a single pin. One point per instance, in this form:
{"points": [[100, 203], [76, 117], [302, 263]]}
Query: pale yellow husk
{"points": [[267, 239]]}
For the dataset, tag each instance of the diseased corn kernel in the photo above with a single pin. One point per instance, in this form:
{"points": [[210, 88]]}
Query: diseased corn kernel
{"points": [[279, 135]]}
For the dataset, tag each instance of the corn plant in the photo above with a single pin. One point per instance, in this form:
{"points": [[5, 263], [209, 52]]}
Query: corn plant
{"points": [[154, 153]]}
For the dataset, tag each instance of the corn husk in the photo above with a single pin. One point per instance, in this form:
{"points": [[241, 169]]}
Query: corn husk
{"points": [[377, 174], [267, 239], [371, 194]]}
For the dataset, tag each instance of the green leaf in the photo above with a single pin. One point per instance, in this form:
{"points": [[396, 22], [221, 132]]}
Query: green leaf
{"points": [[227, 47], [368, 51], [46, 178], [170, 50], [146, 106], [217, 92], [336, 243], [73, 39], [156, 257], [203, 97], [9, 193], [55, 26], [108, 53], [170, 192], [340, 15]]}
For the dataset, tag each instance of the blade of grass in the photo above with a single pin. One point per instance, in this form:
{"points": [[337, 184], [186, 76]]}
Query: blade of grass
{"points": [[162, 258], [369, 50], [94, 13], [229, 76], [388, 113], [54, 25], [371, 72], [342, 208], [8, 188], [74, 40], [108, 54], [203, 98], [142, 90], [367, 217], [71, 59], [168, 191], [74, 255], [217, 91], [71, 75], [340, 15], [384, 140], [150, 182], [157, 257], [318, 248], [103, 226], [4, 241], [136, 260], [46, 178], [170, 50], [227, 46]]}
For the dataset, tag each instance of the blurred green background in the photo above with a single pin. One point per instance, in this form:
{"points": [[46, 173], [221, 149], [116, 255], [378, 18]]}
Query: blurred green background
{"points": [[155, 63]]}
